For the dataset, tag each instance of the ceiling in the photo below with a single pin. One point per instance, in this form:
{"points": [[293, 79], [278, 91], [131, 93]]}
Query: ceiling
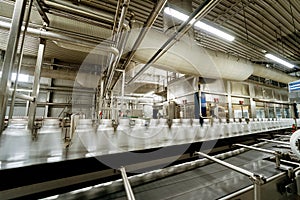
{"points": [[259, 26]]}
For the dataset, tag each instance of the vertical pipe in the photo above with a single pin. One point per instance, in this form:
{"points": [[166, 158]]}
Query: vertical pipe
{"points": [[27, 105], [257, 191], [117, 38], [252, 102], [13, 97], [36, 83], [229, 100], [10, 56], [197, 105]]}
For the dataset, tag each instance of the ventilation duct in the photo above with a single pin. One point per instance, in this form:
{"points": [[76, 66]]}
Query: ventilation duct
{"points": [[261, 71], [188, 58]]}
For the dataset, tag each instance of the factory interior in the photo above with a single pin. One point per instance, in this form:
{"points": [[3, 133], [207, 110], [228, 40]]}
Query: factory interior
{"points": [[152, 99]]}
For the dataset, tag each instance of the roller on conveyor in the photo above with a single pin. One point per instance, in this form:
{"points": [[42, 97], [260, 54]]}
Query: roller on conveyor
{"points": [[295, 143]]}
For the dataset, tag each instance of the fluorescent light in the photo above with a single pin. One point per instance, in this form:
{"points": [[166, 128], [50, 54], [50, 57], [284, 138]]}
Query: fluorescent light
{"points": [[177, 14], [279, 60], [214, 31], [183, 17]]}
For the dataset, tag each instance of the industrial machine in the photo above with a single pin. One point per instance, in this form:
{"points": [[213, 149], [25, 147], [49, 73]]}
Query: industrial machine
{"points": [[156, 159]]}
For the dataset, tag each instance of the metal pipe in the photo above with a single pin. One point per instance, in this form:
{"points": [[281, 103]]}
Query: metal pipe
{"points": [[228, 165], [22, 96], [275, 141], [10, 55], [290, 162], [129, 193], [257, 149], [13, 97], [122, 87], [123, 43], [200, 12], [276, 153], [64, 38], [79, 36], [150, 21], [116, 17], [81, 10], [121, 25], [36, 83]]}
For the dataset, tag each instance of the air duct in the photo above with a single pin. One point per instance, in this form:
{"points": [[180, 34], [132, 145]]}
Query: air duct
{"points": [[261, 71], [187, 57]]}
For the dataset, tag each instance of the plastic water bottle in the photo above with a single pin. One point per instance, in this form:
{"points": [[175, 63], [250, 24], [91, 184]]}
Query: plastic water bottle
{"points": [[84, 139], [15, 141], [106, 137], [49, 139], [196, 129], [138, 135], [154, 132], [188, 130], [123, 134]]}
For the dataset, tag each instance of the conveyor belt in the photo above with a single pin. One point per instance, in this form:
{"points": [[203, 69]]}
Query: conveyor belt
{"points": [[208, 182]]}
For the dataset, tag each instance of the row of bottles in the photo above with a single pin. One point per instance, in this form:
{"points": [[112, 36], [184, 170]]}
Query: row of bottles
{"points": [[128, 135], [137, 134]]}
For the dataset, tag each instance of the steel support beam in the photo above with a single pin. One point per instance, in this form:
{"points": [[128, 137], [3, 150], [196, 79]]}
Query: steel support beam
{"points": [[10, 56], [13, 97], [39, 8], [36, 83]]}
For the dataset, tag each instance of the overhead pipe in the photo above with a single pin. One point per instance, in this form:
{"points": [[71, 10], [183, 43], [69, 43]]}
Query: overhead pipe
{"points": [[116, 17], [50, 35], [82, 10], [150, 21], [200, 12], [75, 35]]}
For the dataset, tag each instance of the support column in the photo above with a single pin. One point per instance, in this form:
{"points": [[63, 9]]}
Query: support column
{"points": [[49, 96], [13, 96], [10, 56], [36, 83]]}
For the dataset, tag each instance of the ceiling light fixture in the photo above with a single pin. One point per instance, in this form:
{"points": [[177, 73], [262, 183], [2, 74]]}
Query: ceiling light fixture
{"points": [[279, 60], [183, 17]]}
